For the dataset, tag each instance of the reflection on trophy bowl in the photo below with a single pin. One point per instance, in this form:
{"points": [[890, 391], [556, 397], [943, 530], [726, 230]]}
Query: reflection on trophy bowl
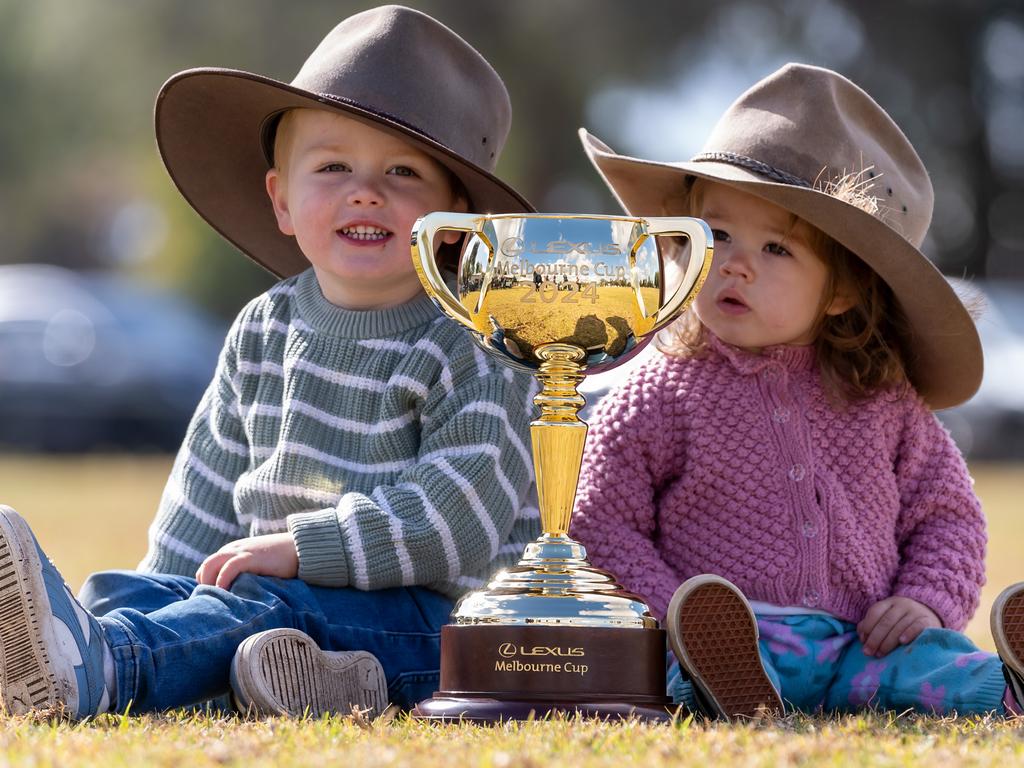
{"points": [[562, 296], [594, 282]]}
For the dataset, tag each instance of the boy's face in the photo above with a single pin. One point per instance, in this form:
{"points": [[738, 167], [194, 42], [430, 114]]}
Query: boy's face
{"points": [[350, 194], [766, 283]]}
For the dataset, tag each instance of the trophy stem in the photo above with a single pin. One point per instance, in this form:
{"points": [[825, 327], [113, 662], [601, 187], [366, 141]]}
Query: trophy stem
{"points": [[558, 435]]}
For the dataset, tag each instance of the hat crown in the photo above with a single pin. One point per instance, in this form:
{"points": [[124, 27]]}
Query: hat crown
{"points": [[815, 125], [403, 65]]}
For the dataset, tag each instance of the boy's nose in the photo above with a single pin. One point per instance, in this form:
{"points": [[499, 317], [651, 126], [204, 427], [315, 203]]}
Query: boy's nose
{"points": [[364, 193]]}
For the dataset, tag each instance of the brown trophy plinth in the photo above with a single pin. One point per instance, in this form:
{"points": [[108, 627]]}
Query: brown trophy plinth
{"points": [[561, 295]]}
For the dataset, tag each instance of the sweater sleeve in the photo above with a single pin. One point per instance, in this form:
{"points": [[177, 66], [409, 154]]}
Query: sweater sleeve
{"points": [[450, 511], [941, 529], [616, 513], [196, 515]]}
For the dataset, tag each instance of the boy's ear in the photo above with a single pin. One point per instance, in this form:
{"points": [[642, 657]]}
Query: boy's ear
{"points": [[275, 189], [459, 205]]}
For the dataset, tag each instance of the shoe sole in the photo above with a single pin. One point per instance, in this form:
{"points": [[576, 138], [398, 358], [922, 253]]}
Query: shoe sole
{"points": [[1007, 621], [716, 643], [28, 680], [283, 672]]}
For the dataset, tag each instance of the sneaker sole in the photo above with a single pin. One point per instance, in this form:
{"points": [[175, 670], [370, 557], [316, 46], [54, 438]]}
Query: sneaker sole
{"points": [[28, 680], [1007, 621], [720, 649], [283, 672]]}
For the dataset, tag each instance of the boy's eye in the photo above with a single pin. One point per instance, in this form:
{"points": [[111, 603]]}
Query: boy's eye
{"points": [[776, 249], [720, 234], [402, 170], [335, 168]]}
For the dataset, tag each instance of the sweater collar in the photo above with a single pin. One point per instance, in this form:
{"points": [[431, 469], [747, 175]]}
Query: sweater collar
{"points": [[790, 357], [333, 320]]}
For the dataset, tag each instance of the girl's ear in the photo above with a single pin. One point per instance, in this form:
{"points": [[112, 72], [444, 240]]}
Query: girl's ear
{"points": [[276, 190], [459, 205], [841, 302]]}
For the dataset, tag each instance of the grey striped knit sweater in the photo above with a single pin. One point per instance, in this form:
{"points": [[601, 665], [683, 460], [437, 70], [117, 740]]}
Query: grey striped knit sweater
{"points": [[391, 447]]}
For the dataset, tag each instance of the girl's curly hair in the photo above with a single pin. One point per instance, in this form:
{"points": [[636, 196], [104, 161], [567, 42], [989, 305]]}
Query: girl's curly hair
{"points": [[858, 352]]}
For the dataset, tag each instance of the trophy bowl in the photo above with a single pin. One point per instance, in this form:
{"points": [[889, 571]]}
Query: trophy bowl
{"points": [[562, 296]]}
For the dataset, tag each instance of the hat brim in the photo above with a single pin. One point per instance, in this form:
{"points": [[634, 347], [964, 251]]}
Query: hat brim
{"points": [[947, 363], [208, 131]]}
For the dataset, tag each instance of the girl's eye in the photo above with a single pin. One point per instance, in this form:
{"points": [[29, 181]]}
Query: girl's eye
{"points": [[402, 170], [335, 168], [720, 234], [776, 249]]}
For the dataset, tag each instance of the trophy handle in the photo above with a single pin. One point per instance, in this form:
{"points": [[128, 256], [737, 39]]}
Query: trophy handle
{"points": [[423, 233], [702, 246]]}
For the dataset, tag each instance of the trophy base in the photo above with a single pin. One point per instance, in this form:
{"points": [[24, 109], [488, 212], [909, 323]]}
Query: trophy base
{"points": [[493, 672], [453, 709]]}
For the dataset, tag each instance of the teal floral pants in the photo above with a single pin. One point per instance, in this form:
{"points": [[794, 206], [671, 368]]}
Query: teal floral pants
{"points": [[817, 663]]}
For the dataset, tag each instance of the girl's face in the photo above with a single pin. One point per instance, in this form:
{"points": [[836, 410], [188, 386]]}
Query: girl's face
{"points": [[766, 284]]}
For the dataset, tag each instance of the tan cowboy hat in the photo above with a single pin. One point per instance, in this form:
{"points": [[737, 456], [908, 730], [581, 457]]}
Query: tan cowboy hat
{"points": [[813, 143], [392, 67]]}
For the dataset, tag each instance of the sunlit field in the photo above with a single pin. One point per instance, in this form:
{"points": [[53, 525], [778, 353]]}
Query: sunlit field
{"points": [[92, 513]]}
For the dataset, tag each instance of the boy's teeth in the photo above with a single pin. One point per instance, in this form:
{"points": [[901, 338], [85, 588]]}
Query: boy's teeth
{"points": [[363, 232]]}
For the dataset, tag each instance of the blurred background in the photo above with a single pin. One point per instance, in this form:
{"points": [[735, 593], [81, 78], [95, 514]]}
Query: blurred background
{"points": [[115, 296]]}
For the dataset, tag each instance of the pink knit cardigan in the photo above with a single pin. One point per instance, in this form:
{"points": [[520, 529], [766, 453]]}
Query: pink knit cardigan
{"points": [[738, 464]]}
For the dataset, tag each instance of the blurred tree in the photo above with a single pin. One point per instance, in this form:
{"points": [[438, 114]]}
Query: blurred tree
{"points": [[81, 184]]}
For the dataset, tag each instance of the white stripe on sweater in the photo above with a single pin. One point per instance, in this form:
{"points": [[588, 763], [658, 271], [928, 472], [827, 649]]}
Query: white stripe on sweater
{"points": [[165, 540], [475, 503], [438, 523], [480, 449], [194, 463], [175, 497], [349, 425], [353, 543], [397, 536], [493, 409], [291, 448]]}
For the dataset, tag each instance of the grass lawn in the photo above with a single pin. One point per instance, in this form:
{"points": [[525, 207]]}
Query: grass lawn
{"points": [[92, 513]]}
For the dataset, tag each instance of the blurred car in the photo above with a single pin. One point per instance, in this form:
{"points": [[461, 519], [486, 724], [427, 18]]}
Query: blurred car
{"points": [[991, 424], [97, 361]]}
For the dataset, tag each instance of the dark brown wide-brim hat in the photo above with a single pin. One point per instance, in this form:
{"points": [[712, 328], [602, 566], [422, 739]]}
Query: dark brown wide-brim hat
{"points": [[391, 67], [813, 143]]}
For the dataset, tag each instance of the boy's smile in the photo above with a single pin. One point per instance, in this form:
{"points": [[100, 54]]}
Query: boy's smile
{"points": [[350, 194]]}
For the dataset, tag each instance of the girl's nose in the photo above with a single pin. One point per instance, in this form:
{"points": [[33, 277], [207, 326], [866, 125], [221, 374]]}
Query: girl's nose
{"points": [[735, 262]]}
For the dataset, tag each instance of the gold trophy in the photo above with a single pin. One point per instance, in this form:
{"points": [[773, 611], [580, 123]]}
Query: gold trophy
{"points": [[562, 296]]}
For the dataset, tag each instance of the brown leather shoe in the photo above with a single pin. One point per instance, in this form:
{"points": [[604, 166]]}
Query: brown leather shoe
{"points": [[714, 635], [1007, 620]]}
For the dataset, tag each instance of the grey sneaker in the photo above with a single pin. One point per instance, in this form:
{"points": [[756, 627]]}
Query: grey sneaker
{"points": [[713, 634], [283, 672], [1007, 621], [51, 649]]}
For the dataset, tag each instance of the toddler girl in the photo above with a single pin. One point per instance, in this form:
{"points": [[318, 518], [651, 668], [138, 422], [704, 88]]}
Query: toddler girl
{"points": [[783, 443]]}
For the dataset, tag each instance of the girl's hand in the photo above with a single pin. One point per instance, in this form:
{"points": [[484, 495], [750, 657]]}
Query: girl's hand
{"points": [[894, 621], [270, 555]]}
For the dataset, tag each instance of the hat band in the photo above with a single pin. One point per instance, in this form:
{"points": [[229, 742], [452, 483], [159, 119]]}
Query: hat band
{"points": [[751, 164], [268, 130]]}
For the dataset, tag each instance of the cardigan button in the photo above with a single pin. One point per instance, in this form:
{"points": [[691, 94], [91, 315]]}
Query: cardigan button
{"points": [[780, 415], [810, 530], [797, 473], [812, 598]]}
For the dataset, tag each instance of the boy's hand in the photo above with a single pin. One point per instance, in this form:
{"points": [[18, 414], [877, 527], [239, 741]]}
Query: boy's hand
{"points": [[270, 555], [894, 621]]}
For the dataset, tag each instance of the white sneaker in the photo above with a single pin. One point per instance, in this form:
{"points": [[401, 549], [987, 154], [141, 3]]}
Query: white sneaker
{"points": [[283, 672]]}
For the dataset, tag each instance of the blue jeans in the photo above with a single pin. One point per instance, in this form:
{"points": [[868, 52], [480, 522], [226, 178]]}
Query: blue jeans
{"points": [[817, 663], [173, 639]]}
